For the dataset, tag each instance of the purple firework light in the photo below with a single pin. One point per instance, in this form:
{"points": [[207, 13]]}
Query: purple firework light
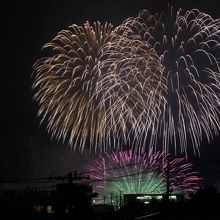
{"points": [[142, 173]]}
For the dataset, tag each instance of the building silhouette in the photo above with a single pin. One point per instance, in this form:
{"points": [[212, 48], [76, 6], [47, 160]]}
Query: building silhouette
{"points": [[70, 198]]}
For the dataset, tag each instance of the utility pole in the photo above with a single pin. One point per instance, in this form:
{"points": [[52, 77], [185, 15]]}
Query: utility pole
{"points": [[67, 193], [168, 179]]}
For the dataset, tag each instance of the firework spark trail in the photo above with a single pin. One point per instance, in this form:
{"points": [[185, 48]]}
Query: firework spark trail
{"points": [[188, 46], [97, 86], [133, 173], [153, 80], [66, 80], [132, 84]]}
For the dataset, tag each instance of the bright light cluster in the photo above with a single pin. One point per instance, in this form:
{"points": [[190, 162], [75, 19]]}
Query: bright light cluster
{"points": [[127, 172]]}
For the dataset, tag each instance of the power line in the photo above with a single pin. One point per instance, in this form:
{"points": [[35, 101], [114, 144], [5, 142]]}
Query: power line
{"points": [[123, 176]]}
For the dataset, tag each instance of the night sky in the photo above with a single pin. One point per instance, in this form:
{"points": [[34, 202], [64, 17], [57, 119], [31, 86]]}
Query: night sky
{"points": [[27, 150]]}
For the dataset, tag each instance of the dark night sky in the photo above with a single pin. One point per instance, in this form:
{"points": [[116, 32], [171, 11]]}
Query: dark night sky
{"points": [[26, 149]]}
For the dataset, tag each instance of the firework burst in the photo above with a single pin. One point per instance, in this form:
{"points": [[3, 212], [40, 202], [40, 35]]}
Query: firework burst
{"points": [[132, 173], [188, 47], [97, 87], [153, 80]]}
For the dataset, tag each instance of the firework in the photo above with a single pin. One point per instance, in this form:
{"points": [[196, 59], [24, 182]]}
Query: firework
{"points": [[131, 173], [153, 80], [97, 87], [65, 80], [188, 47]]}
